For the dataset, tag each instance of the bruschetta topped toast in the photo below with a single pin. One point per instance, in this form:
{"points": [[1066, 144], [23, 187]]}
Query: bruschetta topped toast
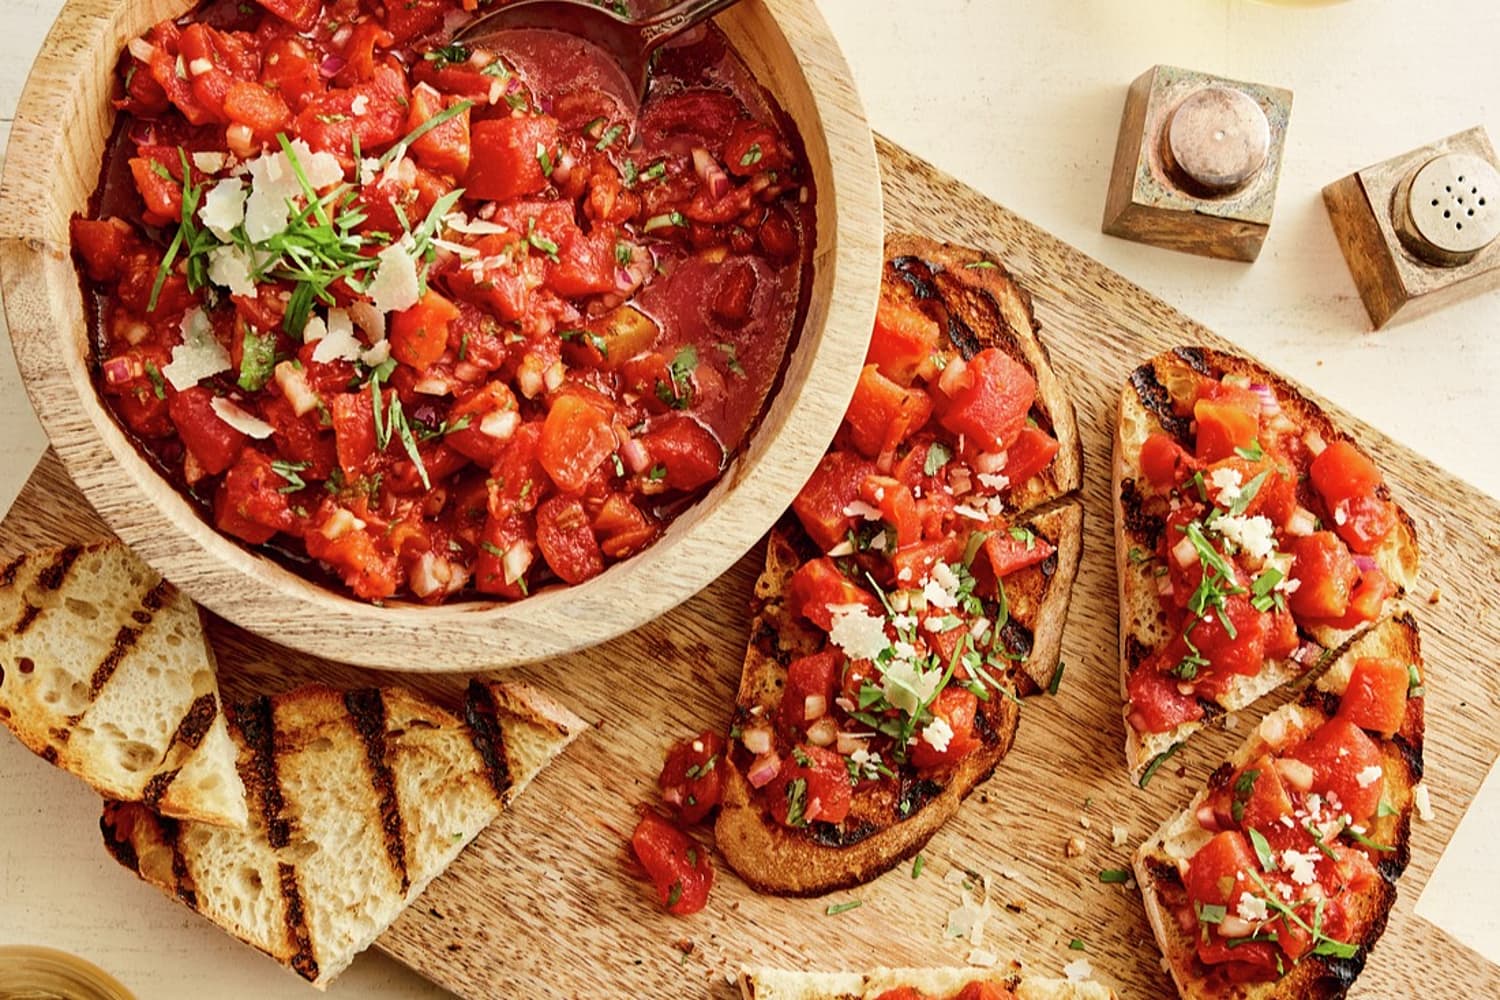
{"points": [[913, 984], [1276, 880], [1253, 537], [918, 587]]}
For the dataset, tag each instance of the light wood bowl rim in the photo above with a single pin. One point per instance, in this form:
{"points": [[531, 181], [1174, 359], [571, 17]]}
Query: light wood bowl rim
{"points": [[63, 106]]}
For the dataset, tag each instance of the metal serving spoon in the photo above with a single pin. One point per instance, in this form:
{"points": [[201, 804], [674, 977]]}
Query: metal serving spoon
{"points": [[630, 42]]}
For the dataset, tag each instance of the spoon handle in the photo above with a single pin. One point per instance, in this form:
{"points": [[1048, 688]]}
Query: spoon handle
{"points": [[677, 19]]}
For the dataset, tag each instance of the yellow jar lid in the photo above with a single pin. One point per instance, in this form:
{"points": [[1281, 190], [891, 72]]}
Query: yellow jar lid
{"points": [[29, 973]]}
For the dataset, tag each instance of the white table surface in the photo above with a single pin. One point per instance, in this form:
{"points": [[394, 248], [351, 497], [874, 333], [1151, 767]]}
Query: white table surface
{"points": [[1022, 99]]}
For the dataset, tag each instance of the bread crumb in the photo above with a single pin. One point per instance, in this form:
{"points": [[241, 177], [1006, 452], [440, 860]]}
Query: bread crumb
{"points": [[683, 945], [1075, 847], [1435, 596], [1232, 721], [1119, 834], [1083, 821]]}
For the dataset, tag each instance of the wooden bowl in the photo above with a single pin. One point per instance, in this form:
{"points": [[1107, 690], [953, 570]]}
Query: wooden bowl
{"points": [[56, 148]]}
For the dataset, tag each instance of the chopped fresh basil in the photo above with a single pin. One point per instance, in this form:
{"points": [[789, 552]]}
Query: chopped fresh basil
{"points": [[1114, 876], [982, 265], [938, 455], [1025, 535], [1077, 945], [257, 359], [752, 156], [918, 865], [544, 158], [1156, 763], [290, 472], [1262, 850], [1057, 676], [834, 909], [1210, 913], [158, 384], [1251, 453], [796, 802], [608, 138], [1244, 785], [448, 55]]}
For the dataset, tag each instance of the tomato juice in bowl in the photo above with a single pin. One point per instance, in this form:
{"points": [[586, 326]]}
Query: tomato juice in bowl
{"points": [[67, 117]]}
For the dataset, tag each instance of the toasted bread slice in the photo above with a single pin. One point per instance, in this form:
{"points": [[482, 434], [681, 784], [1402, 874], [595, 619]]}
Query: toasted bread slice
{"points": [[979, 304], [1146, 408], [105, 672], [938, 983], [358, 800], [887, 824], [1159, 861]]}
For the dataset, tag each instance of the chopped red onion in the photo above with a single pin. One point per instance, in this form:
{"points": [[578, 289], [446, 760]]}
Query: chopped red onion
{"points": [[118, 371], [763, 769], [710, 173], [332, 66]]}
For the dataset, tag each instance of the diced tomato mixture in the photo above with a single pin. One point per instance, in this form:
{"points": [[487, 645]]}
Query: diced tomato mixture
{"points": [[971, 991], [445, 320], [907, 589], [1269, 531], [1296, 836], [678, 867]]}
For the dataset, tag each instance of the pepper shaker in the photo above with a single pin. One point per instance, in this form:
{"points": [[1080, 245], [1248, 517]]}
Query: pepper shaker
{"points": [[1197, 163], [1421, 230]]}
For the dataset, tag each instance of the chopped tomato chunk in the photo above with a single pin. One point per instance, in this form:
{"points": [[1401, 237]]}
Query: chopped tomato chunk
{"points": [[1346, 764], [883, 414], [989, 405], [679, 868], [576, 439], [1223, 426], [419, 335], [823, 504], [1030, 453], [955, 706], [1375, 698], [810, 683], [505, 163], [903, 342], [692, 780], [566, 538], [818, 586], [811, 787]]}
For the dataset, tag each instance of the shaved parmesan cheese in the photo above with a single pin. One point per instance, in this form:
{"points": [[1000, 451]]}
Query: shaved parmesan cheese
{"points": [[938, 734], [274, 182], [224, 208], [938, 596], [1423, 800], [859, 508], [246, 424], [1226, 483], [1369, 775], [1303, 866], [340, 344], [198, 356], [994, 481], [315, 330], [360, 105], [395, 286], [1255, 536], [983, 958], [229, 267], [858, 633], [460, 223], [1078, 971], [1252, 909], [376, 355]]}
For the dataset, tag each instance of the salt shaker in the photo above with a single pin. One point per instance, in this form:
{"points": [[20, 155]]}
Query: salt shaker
{"points": [[1197, 163]]}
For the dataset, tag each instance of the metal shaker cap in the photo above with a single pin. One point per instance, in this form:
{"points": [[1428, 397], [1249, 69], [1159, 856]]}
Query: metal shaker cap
{"points": [[1217, 140], [1447, 210]]}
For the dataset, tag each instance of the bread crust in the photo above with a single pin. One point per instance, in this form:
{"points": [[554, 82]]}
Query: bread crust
{"points": [[1145, 408], [888, 825], [1157, 860], [779, 984]]}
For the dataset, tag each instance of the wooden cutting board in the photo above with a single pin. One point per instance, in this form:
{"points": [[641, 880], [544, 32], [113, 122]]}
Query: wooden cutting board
{"points": [[544, 904]]}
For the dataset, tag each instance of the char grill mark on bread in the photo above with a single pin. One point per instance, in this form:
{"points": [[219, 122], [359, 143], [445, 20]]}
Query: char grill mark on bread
{"points": [[367, 709], [105, 671], [481, 713]]}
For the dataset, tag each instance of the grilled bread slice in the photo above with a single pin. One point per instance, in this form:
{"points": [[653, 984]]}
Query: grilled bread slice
{"points": [[105, 672], [1159, 861], [976, 305], [937, 983], [1150, 404], [888, 822], [979, 304], [358, 800]]}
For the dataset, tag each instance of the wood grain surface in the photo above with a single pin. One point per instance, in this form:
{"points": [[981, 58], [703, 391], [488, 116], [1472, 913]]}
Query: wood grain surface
{"points": [[544, 904], [64, 120]]}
